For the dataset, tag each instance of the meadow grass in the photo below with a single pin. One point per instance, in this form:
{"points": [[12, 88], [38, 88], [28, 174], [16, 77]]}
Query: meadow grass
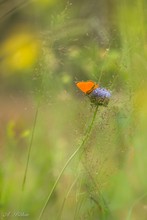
{"points": [[65, 172]]}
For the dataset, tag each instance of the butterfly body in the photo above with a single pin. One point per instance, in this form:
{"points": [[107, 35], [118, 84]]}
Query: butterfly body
{"points": [[97, 95]]}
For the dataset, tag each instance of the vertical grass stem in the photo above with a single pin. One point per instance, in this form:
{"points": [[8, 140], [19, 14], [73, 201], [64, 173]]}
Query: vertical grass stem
{"points": [[68, 161]]}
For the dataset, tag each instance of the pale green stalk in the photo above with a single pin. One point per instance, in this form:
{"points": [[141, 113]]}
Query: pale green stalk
{"points": [[65, 198], [131, 209], [29, 149], [68, 161]]}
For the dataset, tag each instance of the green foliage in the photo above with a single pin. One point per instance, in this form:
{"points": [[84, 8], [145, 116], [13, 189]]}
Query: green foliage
{"points": [[74, 161]]}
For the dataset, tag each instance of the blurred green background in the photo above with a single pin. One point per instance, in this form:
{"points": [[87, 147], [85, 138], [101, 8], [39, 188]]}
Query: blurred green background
{"points": [[46, 46]]}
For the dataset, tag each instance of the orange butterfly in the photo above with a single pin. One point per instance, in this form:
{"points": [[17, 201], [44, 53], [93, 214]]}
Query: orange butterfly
{"points": [[87, 87]]}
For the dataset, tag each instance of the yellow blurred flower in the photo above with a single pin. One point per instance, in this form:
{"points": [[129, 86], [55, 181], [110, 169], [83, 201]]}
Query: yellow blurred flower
{"points": [[20, 50], [140, 104], [45, 3], [140, 99]]}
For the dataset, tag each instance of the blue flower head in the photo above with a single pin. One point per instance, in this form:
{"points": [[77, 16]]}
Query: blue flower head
{"points": [[100, 96]]}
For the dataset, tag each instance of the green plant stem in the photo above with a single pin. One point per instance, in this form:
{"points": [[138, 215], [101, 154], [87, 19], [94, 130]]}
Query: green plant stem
{"points": [[69, 160], [65, 198], [131, 209], [30, 147]]}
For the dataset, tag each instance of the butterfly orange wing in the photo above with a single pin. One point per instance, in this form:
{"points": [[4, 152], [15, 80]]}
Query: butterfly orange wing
{"points": [[87, 87]]}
